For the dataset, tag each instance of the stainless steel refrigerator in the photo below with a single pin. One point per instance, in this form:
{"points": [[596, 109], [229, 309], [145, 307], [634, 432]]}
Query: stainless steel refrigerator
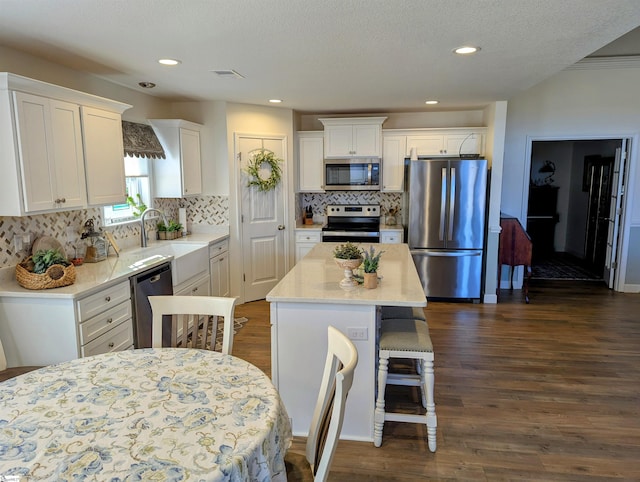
{"points": [[446, 225]]}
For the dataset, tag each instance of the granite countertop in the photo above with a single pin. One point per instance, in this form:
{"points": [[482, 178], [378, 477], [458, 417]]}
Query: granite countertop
{"points": [[315, 278], [92, 277]]}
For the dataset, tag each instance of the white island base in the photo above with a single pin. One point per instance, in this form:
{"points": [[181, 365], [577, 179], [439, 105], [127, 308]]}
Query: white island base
{"points": [[309, 299]]}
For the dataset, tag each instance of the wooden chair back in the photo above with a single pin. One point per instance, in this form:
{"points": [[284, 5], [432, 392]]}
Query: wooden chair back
{"points": [[194, 321]]}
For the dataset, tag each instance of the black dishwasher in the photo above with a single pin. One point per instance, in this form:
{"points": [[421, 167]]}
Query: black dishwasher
{"points": [[152, 282]]}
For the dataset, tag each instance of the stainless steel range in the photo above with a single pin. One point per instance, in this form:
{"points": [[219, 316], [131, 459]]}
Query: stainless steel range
{"points": [[357, 223]]}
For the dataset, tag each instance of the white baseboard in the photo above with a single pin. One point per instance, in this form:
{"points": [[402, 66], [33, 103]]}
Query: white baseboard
{"points": [[631, 288]]}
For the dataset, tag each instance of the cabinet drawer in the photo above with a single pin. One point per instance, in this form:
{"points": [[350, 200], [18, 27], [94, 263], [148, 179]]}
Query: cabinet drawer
{"points": [[218, 248], [118, 339], [97, 303], [308, 236], [103, 322], [196, 286], [391, 237]]}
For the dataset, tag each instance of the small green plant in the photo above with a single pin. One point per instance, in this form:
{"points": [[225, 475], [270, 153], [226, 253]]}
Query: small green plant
{"points": [[174, 226], [43, 259], [347, 250], [161, 227], [138, 206], [371, 260]]}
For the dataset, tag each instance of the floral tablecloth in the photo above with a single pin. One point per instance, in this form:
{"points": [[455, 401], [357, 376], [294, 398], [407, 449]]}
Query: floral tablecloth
{"points": [[154, 414]]}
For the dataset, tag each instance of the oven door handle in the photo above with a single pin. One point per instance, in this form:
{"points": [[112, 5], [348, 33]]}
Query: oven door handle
{"points": [[360, 234]]}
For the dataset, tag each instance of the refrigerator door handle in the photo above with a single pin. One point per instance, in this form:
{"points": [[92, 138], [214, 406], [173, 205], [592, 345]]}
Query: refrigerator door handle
{"points": [[445, 254], [452, 203], [443, 203]]}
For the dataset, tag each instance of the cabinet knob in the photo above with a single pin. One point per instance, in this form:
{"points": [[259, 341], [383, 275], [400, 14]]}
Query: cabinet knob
{"points": [[63, 200], [110, 320], [107, 299], [280, 227], [112, 344]]}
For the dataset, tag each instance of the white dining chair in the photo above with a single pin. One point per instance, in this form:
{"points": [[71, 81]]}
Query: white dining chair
{"points": [[326, 423], [193, 315]]}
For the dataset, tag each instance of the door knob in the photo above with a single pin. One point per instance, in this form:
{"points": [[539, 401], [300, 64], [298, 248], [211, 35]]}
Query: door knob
{"points": [[280, 227]]}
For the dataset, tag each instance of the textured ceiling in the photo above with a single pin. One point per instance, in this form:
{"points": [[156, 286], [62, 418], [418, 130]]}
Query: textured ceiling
{"points": [[320, 56]]}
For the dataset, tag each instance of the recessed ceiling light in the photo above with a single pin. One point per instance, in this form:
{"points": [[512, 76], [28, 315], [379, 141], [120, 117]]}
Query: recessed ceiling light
{"points": [[431, 102], [466, 50], [169, 61], [275, 101], [147, 85]]}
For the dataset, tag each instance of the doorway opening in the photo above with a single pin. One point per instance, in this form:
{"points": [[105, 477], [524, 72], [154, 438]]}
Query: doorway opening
{"points": [[572, 203]]}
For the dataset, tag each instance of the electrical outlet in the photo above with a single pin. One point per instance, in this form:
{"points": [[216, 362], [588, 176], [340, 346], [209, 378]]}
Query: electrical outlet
{"points": [[357, 333]]}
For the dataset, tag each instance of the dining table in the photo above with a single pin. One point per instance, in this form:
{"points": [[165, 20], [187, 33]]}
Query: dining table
{"points": [[170, 414]]}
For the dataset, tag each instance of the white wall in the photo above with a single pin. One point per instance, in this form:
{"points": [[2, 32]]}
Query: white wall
{"points": [[576, 104], [144, 105]]}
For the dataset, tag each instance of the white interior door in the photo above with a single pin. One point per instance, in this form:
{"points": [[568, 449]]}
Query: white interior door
{"points": [[617, 192], [262, 221]]}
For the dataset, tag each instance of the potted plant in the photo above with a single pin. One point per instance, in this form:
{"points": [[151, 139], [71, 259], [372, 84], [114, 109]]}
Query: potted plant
{"points": [[174, 230], [348, 256], [370, 262], [162, 230]]}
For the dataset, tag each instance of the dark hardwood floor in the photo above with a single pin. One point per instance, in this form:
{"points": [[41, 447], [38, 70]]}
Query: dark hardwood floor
{"points": [[548, 391]]}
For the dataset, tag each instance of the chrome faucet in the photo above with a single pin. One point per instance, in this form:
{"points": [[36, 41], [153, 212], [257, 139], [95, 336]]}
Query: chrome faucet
{"points": [[143, 231]]}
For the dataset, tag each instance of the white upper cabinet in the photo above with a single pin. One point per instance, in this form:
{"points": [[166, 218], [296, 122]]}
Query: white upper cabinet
{"points": [[447, 143], [180, 174], [393, 154], [310, 161], [104, 156], [353, 137], [54, 157], [51, 158]]}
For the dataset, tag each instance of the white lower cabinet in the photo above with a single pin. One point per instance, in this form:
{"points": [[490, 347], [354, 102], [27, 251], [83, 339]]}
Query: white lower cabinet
{"points": [[306, 239], [199, 285], [105, 320], [219, 268], [43, 330]]}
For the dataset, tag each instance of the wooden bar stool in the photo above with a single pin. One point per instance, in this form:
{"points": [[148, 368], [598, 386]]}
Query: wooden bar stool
{"points": [[408, 339]]}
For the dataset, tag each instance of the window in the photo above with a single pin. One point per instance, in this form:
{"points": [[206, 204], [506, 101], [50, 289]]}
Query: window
{"points": [[138, 183]]}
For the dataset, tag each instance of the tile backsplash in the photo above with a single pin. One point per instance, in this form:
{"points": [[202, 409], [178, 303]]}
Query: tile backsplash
{"points": [[67, 226], [319, 201]]}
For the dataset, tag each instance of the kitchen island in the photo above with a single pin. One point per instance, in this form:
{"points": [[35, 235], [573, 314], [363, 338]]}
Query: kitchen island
{"points": [[305, 302]]}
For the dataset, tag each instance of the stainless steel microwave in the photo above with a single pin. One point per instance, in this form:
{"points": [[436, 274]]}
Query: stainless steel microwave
{"points": [[352, 174]]}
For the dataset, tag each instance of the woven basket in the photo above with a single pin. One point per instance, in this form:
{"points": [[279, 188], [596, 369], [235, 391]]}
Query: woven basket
{"points": [[56, 276]]}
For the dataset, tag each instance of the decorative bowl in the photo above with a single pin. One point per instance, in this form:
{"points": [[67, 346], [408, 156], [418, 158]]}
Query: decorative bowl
{"points": [[348, 265]]}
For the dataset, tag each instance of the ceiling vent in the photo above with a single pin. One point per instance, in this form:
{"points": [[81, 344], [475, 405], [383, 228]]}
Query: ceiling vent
{"points": [[228, 74]]}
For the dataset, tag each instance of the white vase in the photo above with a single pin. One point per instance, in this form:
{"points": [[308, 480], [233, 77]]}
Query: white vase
{"points": [[348, 265]]}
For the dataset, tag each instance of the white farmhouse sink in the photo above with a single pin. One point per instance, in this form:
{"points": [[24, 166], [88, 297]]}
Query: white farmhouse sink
{"points": [[188, 259]]}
